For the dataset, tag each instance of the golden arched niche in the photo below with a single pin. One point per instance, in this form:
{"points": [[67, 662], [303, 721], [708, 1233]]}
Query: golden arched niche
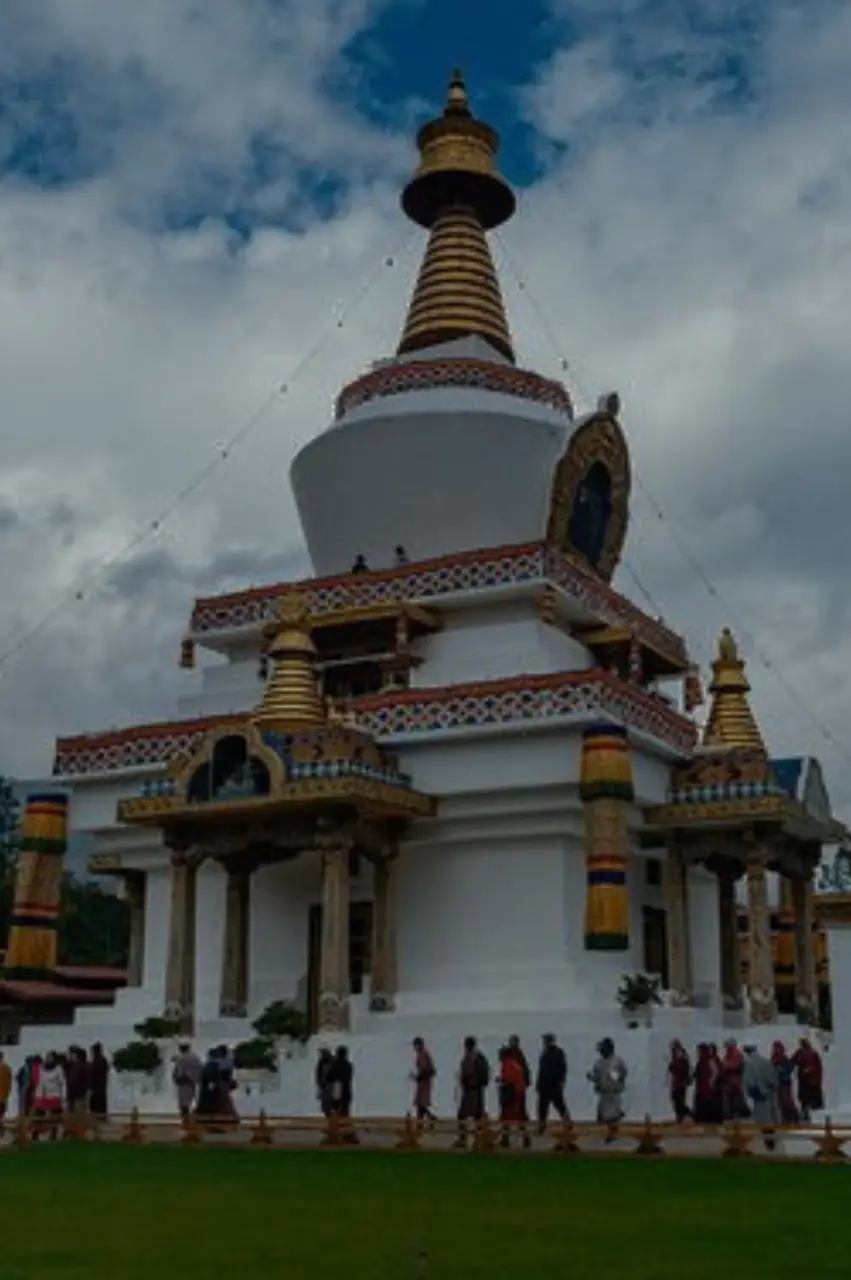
{"points": [[592, 476]]}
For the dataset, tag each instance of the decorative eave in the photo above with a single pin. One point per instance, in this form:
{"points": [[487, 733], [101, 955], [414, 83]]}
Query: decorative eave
{"points": [[436, 581], [620, 639], [832, 908], [371, 799], [733, 812], [407, 716], [410, 375]]}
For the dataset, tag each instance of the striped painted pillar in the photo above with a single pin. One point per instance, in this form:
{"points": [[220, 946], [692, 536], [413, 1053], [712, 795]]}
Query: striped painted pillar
{"points": [[32, 949], [606, 790]]}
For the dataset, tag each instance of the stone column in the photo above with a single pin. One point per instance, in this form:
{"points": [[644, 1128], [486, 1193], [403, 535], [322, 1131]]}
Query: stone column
{"points": [[134, 887], [233, 1001], [677, 926], [180, 970], [384, 964], [728, 939], [806, 996], [760, 964], [334, 979]]}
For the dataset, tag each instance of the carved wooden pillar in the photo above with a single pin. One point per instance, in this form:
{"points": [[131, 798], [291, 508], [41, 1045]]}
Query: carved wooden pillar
{"points": [[134, 887], [384, 962], [760, 963], [180, 971], [728, 941], [334, 978], [806, 998], [233, 1000], [677, 926]]}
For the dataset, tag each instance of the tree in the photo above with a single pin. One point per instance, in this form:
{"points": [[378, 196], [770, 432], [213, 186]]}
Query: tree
{"points": [[94, 925]]}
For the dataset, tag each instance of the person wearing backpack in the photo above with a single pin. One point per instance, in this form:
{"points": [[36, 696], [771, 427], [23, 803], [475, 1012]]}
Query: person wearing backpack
{"points": [[473, 1080]]}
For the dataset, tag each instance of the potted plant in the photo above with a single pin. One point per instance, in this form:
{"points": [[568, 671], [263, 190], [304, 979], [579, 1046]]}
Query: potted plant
{"points": [[283, 1020], [255, 1063], [637, 995], [138, 1064]]}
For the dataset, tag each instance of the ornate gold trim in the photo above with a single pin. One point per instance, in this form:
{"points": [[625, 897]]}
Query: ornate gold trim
{"points": [[182, 770], [365, 794], [768, 808], [599, 439]]}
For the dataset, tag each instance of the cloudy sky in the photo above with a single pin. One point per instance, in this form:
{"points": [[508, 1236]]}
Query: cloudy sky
{"points": [[198, 200]]}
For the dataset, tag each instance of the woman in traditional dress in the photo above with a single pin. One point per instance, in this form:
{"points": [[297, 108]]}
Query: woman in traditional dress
{"points": [[732, 1068], [50, 1096], [679, 1079], [785, 1072], [98, 1082], [808, 1064], [707, 1074]]}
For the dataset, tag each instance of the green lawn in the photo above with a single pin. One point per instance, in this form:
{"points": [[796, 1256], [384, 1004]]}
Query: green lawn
{"points": [[154, 1213]]}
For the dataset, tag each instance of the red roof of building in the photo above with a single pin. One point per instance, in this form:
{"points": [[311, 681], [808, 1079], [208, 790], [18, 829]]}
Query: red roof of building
{"points": [[52, 993]]}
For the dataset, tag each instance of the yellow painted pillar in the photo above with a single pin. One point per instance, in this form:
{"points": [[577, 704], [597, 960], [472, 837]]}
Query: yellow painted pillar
{"points": [[32, 951], [233, 1001], [607, 793], [806, 994], [334, 976], [677, 925], [180, 971], [760, 969], [384, 964]]}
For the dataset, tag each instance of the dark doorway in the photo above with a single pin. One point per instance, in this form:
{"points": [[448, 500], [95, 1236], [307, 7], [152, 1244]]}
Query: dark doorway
{"points": [[592, 511], [360, 952], [655, 932]]}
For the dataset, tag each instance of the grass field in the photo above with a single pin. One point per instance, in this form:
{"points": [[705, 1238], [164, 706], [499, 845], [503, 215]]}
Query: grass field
{"points": [[158, 1213]]}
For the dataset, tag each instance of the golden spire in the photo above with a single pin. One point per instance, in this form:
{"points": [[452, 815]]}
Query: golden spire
{"points": [[291, 699], [458, 195], [731, 722]]}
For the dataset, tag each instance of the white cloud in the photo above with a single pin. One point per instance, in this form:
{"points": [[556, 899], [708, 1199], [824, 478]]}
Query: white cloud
{"points": [[693, 252]]}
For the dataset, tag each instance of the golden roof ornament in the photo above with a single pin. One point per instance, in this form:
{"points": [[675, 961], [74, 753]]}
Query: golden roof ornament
{"points": [[457, 194], [731, 721], [291, 699]]}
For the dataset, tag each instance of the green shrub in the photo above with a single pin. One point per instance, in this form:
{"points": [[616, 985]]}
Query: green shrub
{"points": [[157, 1029], [255, 1055], [282, 1020], [138, 1055], [637, 991]]}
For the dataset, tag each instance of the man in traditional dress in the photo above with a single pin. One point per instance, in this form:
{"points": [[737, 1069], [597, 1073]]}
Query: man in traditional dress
{"points": [[423, 1077], [5, 1086], [759, 1082], [807, 1062], [551, 1081], [186, 1076], [608, 1076], [473, 1080]]}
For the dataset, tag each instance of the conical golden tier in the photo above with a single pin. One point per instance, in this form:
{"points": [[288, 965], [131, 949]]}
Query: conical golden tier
{"points": [[457, 292], [731, 722], [291, 699]]}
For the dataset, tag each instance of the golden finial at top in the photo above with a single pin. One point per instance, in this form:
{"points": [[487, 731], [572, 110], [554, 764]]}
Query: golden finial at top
{"points": [[457, 194], [728, 650], [731, 721], [457, 101]]}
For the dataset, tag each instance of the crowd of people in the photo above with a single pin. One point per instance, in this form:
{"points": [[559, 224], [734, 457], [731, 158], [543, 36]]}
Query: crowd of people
{"points": [[741, 1083], [736, 1083], [57, 1085]]}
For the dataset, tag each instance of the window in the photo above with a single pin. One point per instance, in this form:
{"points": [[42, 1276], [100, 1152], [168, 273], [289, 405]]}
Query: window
{"points": [[653, 873]]}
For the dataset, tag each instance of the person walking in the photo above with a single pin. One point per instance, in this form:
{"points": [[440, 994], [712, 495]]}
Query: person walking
{"points": [[512, 1097], [51, 1097], [808, 1064], [341, 1077], [785, 1072], [608, 1076], [5, 1089], [551, 1081], [679, 1079], [759, 1083], [186, 1077], [99, 1069], [473, 1080], [423, 1076]]}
